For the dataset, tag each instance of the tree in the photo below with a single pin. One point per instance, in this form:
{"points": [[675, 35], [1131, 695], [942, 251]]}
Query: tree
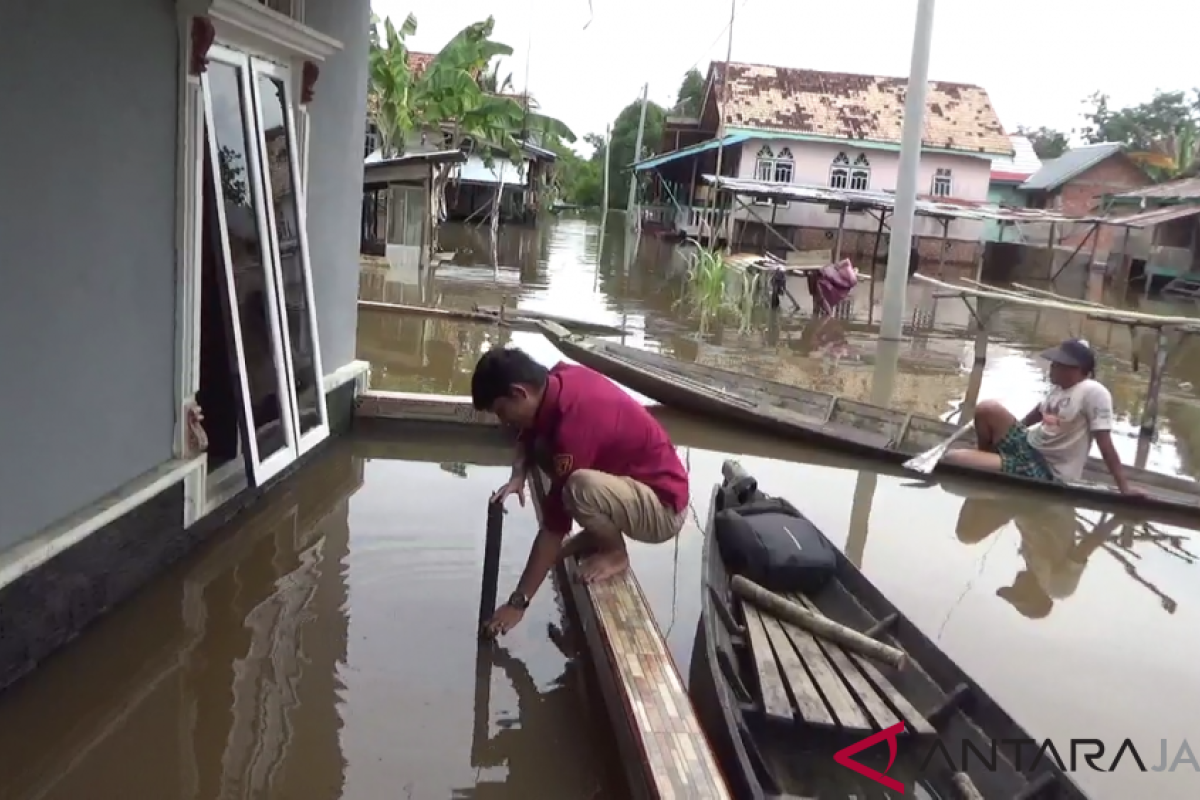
{"points": [[1047, 142], [691, 94], [623, 140], [1162, 134]]}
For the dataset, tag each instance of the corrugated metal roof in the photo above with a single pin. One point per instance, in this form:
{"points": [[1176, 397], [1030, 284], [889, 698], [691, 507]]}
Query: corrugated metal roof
{"points": [[1057, 171], [691, 150], [1023, 163], [886, 201], [841, 105], [1182, 189], [1148, 219]]}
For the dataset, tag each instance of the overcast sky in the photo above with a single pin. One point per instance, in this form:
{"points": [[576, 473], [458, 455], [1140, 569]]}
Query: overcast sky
{"points": [[1036, 58]]}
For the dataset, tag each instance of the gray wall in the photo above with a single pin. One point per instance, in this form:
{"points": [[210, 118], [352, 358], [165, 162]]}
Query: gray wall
{"points": [[87, 261], [335, 171]]}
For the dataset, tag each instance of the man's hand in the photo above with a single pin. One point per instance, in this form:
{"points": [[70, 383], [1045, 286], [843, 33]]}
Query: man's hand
{"points": [[503, 621], [515, 485]]}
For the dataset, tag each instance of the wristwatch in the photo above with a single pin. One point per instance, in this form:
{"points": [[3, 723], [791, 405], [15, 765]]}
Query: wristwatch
{"points": [[518, 601]]}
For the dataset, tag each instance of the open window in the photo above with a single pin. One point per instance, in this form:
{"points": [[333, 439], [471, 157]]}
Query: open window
{"points": [[258, 252]]}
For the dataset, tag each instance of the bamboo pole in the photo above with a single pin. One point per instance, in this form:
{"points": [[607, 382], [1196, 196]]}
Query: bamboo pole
{"points": [[1075, 307], [795, 614]]}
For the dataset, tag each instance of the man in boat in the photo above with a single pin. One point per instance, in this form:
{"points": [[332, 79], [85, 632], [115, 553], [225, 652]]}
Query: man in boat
{"points": [[1052, 442], [611, 465]]}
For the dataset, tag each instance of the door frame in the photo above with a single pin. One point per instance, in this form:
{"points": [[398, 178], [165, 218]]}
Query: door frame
{"points": [[296, 157], [259, 470]]}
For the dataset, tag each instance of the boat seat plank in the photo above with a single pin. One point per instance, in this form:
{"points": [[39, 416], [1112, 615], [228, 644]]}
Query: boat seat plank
{"points": [[841, 702], [806, 696], [770, 682], [873, 683]]}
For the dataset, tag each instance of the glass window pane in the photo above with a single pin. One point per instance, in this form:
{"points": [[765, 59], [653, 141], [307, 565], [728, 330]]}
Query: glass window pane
{"points": [[284, 199], [250, 288]]}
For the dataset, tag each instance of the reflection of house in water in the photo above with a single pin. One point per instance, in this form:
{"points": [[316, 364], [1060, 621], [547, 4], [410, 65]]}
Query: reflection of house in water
{"points": [[225, 680]]}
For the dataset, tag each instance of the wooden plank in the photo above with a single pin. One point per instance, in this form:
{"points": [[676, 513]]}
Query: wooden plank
{"points": [[899, 702], [770, 682], [845, 708], [805, 695], [868, 697]]}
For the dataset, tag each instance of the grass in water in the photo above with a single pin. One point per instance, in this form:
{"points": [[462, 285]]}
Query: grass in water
{"points": [[714, 288]]}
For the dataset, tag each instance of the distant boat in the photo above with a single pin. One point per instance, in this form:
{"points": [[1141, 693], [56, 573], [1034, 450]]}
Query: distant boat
{"points": [[825, 419]]}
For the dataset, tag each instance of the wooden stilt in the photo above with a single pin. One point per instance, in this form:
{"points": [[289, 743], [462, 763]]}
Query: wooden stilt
{"points": [[837, 242], [1157, 368]]}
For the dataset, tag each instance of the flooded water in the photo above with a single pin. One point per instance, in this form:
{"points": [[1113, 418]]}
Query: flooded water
{"points": [[1080, 629], [324, 647]]}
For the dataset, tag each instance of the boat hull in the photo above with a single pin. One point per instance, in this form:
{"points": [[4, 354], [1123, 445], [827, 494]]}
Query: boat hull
{"points": [[1171, 498]]}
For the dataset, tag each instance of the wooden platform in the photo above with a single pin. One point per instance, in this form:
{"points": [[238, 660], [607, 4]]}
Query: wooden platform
{"points": [[662, 747], [416, 407], [811, 681]]}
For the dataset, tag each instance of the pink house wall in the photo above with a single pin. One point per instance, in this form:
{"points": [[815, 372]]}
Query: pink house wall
{"points": [[813, 160]]}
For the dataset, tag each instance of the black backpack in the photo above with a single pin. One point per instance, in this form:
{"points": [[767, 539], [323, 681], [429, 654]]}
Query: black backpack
{"points": [[768, 541]]}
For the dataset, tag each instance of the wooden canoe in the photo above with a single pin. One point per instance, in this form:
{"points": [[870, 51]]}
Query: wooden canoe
{"points": [[852, 426], [514, 318], [777, 702]]}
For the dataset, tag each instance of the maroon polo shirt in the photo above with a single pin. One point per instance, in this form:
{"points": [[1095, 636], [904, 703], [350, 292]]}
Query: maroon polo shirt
{"points": [[586, 421]]}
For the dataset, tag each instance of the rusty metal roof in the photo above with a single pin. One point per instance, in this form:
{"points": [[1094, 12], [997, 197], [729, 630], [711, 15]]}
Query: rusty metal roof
{"points": [[841, 105], [1182, 189], [417, 62]]}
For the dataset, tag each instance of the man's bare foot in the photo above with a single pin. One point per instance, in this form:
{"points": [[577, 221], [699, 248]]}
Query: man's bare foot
{"points": [[581, 544], [602, 566]]}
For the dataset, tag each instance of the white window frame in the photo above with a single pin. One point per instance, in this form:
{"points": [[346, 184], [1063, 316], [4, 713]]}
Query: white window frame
{"points": [[247, 25], [307, 440], [839, 172], [767, 163], [943, 183], [764, 164], [263, 468], [860, 173]]}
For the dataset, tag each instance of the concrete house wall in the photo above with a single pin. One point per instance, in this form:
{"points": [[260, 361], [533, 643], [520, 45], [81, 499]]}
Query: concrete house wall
{"points": [[94, 312], [813, 161]]}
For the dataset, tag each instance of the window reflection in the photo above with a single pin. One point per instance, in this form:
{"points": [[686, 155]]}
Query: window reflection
{"points": [[250, 286], [280, 155]]}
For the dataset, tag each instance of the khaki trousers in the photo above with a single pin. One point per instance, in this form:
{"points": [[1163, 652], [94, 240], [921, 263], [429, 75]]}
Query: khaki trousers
{"points": [[612, 504]]}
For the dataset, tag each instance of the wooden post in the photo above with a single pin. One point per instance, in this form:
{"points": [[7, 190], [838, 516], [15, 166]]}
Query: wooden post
{"points": [[483, 700], [607, 161], [860, 515], [874, 265], [1050, 251], [795, 614], [1157, 367], [1148, 279], [975, 381], [637, 156], [945, 246], [837, 243], [491, 563], [722, 99]]}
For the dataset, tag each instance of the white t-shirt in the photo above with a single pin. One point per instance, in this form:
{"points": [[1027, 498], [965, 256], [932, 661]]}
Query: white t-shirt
{"points": [[1069, 418]]}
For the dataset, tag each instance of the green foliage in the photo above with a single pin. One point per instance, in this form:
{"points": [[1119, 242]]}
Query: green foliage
{"points": [[1163, 133], [691, 94], [1047, 142], [715, 288], [453, 97]]}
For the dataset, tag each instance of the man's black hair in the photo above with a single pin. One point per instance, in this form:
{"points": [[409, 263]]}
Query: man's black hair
{"points": [[499, 370]]}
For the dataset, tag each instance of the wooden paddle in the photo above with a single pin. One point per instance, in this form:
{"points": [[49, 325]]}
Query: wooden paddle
{"points": [[925, 462]]}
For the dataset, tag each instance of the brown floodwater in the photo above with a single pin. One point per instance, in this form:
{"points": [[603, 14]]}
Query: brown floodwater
{"points": [[323, 647], [1080, 629]]}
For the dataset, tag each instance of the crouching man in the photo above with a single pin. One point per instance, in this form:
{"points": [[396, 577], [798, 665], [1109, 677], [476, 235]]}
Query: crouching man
{"points": [[612, 467]]}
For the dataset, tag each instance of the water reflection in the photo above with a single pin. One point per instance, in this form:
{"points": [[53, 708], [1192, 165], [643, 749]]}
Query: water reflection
{"points": [[562, 267], [220, 680]]}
